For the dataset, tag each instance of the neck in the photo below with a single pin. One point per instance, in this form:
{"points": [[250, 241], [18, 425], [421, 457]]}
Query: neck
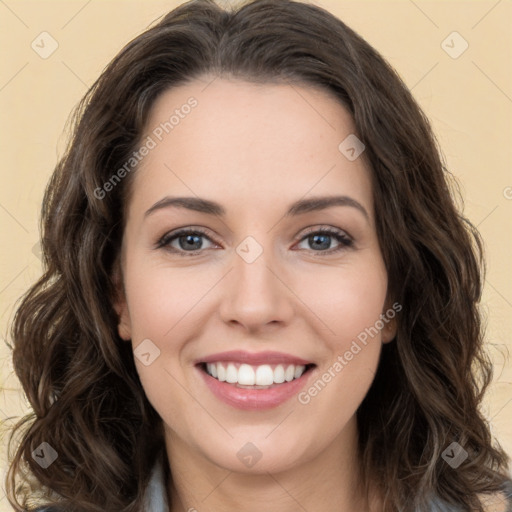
{"points": [[328, 482]]}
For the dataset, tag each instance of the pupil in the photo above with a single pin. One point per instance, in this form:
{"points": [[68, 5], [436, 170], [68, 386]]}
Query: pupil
{"points": [[191, 238], [316, 237]]}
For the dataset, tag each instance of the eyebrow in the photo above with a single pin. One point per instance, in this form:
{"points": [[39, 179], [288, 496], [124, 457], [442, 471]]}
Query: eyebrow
{"points": [[299, 207]]}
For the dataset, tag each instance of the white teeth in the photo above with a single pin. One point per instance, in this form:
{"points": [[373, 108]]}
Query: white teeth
{"points": [[264, 375], [221, 372], [231, 374], [212, 369], [299, 370], [279, 374], [247, 375], [290, 373]]}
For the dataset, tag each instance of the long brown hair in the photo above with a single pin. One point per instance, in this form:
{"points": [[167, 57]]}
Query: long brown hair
{"points": [[80, 378]]}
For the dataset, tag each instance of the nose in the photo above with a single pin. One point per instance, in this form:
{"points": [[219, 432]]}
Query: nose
{"points": [[256, 293]]}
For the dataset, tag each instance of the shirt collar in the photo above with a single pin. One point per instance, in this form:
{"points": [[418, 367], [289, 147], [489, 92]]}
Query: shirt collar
{"points": [[155, 498]]}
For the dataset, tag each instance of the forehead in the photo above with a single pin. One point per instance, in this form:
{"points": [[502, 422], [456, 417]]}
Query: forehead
{"points": [[215, 137]]}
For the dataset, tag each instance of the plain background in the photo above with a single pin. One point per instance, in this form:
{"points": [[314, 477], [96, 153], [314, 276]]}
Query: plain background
{"points": [[468, 100]]}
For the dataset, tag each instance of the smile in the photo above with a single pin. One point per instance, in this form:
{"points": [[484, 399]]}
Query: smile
{"points": [[254, 381], [261, 377]]}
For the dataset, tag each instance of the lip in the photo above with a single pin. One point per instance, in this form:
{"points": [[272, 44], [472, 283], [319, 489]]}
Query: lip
{"points": [[255, 399], [254, 358]]}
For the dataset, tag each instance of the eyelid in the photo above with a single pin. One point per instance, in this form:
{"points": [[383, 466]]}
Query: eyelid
{"points": [[175, 233], [326, 228], [345, 240]]}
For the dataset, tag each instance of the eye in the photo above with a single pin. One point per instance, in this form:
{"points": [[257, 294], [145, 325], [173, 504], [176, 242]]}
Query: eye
{"points": [[188, 241], [320, 238]]}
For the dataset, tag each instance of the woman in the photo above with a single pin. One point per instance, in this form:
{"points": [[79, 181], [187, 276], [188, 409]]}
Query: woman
{"points": [[258, 291]]}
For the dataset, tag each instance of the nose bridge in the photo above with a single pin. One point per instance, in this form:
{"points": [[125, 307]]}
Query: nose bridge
{"points": [[256, 295]]}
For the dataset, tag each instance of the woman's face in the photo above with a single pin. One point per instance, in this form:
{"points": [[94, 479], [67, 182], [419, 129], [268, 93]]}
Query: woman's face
{"points": [[259, 294]]}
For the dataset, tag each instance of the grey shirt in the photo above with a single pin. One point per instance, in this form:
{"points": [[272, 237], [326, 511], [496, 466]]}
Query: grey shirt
{"points": [[155, 499]]}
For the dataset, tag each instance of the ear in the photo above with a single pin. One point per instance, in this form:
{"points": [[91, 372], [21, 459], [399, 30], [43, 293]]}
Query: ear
{"points": [[389, 318], [389, 331], [124, 326]]}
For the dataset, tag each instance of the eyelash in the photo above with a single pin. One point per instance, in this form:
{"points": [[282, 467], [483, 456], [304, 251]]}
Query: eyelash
{"points": [[164, 242]]}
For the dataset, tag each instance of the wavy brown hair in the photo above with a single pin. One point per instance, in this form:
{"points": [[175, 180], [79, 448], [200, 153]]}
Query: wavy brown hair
{"points": [[80, 378]]}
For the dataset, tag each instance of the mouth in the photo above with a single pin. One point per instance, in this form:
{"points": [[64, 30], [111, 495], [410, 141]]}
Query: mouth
{"points": [[254, 382], [247, 376]]}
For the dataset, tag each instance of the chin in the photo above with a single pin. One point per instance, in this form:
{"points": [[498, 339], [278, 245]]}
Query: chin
{"points": [[261, 453]]}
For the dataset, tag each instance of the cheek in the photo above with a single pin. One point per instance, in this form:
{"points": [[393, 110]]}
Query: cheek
{"points": [[166, 307], [159, 297], [346, 301], [349, 305]]}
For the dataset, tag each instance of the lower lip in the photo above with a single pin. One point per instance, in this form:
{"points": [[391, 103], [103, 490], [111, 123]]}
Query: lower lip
{"points": [[254, 399]]}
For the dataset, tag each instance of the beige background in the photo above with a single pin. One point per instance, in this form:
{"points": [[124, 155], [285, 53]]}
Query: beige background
{"points": [[468, 99]]}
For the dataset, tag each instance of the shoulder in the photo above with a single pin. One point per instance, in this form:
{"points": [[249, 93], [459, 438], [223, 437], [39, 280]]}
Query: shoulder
{"points": [[500, 501], [491, 502]]}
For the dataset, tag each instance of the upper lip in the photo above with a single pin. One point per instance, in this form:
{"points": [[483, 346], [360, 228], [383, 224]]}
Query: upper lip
{"points": [[254, 358]]}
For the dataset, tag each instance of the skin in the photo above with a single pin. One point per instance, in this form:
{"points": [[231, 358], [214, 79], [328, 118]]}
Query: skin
{"points": [[255, 149]]}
